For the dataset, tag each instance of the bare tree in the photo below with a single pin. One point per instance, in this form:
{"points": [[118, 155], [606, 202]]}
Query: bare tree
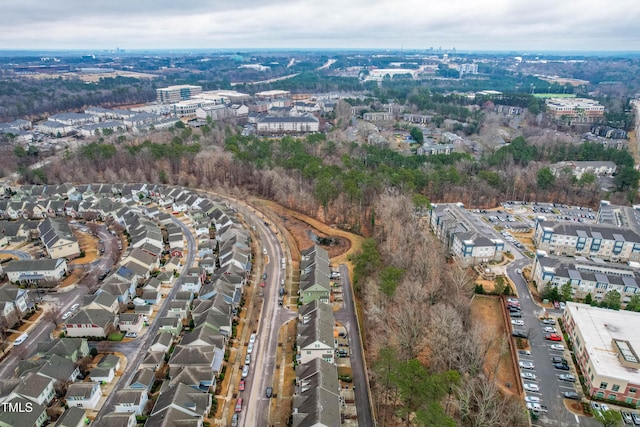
{"points": [[53, 314]]}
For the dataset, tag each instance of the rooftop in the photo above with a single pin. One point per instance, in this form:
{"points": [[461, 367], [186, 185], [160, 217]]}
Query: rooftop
{"points": [[599, 328]]}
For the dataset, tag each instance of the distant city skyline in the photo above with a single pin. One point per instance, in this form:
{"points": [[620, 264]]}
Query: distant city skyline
{"points": [[467, 25]]}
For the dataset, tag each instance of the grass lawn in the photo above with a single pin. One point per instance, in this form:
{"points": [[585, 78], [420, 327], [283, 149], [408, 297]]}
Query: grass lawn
{"points": [[116, 336]]}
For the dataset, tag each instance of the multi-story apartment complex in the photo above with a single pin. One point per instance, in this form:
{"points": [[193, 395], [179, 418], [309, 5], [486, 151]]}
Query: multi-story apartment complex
{"points": [[594, 277], [595, 241], [463, 241], [177, 93], [606, 345], [577, 110]]}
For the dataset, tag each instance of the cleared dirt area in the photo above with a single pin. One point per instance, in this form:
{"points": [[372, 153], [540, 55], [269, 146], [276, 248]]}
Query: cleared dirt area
{"points": [[486, 311], [89, 245]]}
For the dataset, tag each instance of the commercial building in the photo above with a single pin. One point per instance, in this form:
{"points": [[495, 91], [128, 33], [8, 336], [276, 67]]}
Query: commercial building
{"points": [[606, 344], [288, 124], [593, 241], [177, 93], [576, 110]]}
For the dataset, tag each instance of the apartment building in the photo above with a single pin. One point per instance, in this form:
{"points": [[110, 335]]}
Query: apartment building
{"points": [[577, 110], [578, 239]]}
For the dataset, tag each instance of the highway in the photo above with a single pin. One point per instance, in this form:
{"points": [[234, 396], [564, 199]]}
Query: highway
{"points": [[144, 342]]}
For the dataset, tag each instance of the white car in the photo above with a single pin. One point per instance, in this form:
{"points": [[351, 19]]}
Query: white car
{"points": [[245, 371], [531, 387], [604, 407], [131, 335], [532, 399], [74, 307], [526, 365], [558, 347], [247, 360], [252, 338], [550, 330], [66, 315], [528, 375], [516, 322], [249, 348]]}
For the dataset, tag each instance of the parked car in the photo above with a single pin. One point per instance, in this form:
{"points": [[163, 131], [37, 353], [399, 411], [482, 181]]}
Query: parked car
{"points": [[131, 335], [604, 407], [556, 305], [571, 395], [636, 418], [561, 366], [553, 337], [548, 321], [558, 347], [241, 385], [526, 365], [519, 334], [626, 417], [559, 359], [532, 399], [517, 322], [66, 315], [250, 348], [75, 306], [531, 387], [567, 377], [528, 375], [239, 405], [247, 359], [234, 420], [515, 314], [264, 276], [245, 371], [252, 338], [595, 406], [269, 392], [550, 330]]}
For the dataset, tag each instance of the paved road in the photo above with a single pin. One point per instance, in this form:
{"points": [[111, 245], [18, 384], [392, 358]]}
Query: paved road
{"points": [[541, 353], [18, 254], [347, 316], [144, 342]]}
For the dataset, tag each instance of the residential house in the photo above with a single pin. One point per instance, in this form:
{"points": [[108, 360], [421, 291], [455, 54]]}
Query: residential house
{"points": [[102, 375], [130, 322], [36, 417], [119, 420], [204, 355], [315, 273], [57, 237], [153, 360], [118, 288], [315, 333], [72, 417], [180, 405], [36, 388], [15, 303], [161, 342], [109, 361], [58, 368], [36, 270], [143, 379], [85, 395], [91, 323], [179, 309], [69, 348], [101, 301], [198, 377], [130, 401], [317, 398], [172, 325]]}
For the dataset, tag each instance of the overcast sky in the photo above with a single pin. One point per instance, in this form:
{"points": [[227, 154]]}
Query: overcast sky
{"points": [[521, 25]]}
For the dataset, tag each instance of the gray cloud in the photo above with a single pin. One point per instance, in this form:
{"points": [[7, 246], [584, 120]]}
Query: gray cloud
{"points": [[465, 24]]}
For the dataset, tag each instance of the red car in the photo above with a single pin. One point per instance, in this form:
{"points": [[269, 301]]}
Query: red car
{"points": [[263, 284], [241, 386], [553, 337]]}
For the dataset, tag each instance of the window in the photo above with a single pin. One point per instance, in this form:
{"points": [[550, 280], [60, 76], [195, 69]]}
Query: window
{"points": [[615, 387], [604, 385], [612, 396], [629, 400], [633, 390], [600, 394]]}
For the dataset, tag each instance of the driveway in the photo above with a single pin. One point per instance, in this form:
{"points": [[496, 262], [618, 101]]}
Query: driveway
{"points": [[347, 316]]}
